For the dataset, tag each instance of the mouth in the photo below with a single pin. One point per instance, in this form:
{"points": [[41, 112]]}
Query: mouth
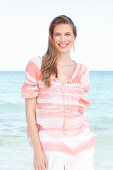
{"points": [[63, 45]]}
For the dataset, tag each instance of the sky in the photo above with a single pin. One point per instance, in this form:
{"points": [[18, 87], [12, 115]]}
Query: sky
{"points": [[24, 26]]}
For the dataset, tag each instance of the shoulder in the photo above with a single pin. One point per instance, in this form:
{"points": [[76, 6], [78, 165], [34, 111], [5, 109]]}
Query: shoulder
{"points": [[36, 60], [82, 67], [34, 63], [33, 67], [82, 71]]}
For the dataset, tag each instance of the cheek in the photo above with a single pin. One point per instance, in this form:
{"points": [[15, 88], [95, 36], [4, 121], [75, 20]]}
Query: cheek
{"points": [[70, 40], [55, 39]]}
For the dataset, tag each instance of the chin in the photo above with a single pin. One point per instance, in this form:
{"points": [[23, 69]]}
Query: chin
{"points": [[63, 50]]}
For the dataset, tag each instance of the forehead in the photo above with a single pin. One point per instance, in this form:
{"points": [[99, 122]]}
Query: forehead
{"points": [[63, 27]]}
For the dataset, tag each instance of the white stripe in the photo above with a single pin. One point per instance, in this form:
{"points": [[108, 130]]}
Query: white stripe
{"points": [[75, 122], [85, 76], [56, 122], [55, 101], [50, 122], [71, 141], [30, 78]]}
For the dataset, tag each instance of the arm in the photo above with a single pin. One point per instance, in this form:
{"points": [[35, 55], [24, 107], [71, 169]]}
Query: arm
{"points": [[40, 160], [29, 91], [30, 104]]}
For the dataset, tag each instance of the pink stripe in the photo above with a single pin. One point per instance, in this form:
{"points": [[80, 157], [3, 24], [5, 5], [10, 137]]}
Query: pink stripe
{"points": [[33, 70], [61, 147], [81, 128]]}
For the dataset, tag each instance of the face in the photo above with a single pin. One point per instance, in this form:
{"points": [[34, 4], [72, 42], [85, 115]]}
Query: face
{"points": [[63, 37]]}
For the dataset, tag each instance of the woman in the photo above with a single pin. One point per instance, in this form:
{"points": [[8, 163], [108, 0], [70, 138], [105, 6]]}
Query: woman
{"points": [[55, 91]]}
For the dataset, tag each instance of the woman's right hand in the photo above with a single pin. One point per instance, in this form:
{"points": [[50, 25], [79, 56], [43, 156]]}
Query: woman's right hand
{"points": [[40, 161]]}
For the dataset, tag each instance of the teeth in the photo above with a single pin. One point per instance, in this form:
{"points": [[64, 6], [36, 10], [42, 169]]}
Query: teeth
{"points": [[63, 45]]}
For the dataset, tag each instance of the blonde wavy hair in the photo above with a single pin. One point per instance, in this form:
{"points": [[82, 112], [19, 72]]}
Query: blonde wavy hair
{"points": [[49, 66]]}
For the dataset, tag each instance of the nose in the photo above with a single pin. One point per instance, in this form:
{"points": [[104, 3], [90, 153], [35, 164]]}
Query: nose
{"points": [[62, 38]]}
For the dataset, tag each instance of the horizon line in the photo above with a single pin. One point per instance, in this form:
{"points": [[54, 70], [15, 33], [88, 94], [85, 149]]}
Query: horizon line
{"points": [[24, 70]]}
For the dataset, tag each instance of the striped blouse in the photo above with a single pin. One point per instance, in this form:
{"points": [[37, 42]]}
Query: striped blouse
{"points": [[60, 108]]}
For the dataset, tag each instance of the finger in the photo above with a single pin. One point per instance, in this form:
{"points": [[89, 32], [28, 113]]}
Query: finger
{"points": [[35, 167], [42, 167], [39, 167], [46, 163]]}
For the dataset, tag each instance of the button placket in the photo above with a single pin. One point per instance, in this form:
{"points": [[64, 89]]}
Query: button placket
{"points": [[65, 126]]}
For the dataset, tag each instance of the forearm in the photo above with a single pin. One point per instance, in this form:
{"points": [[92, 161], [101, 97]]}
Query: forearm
{"points": [[32, 126]]}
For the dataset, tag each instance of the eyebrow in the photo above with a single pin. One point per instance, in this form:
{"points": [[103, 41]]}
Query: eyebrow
{"points": [[59, 33]]}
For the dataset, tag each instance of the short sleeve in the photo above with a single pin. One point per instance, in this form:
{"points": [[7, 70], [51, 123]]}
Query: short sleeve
{"points": [[30, 85], [84, 80]]}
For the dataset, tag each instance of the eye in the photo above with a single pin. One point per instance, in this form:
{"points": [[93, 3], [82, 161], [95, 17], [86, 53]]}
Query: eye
{"points": [[56, 34], [68, 34]]}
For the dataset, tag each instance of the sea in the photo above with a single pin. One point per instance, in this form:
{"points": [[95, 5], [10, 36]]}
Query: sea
{"points": [[15, 151]]}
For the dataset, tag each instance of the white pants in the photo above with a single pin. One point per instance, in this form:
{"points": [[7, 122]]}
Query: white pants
{"points": [[83, 161]]}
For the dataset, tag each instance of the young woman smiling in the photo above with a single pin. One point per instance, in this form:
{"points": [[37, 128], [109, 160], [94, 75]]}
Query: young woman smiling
{"points": [[55, 91]]}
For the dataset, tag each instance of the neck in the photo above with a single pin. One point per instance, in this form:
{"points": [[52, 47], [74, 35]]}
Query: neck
{"points": [[64, 59]]}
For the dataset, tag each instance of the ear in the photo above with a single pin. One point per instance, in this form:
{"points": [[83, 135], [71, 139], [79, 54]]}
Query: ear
{"points": [[74, 37]]}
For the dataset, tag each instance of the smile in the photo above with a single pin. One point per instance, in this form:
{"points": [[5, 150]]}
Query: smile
{"points": [[63, 45]]}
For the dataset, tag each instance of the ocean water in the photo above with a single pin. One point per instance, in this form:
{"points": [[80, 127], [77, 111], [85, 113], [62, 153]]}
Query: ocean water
{"points": [[15, 152]]}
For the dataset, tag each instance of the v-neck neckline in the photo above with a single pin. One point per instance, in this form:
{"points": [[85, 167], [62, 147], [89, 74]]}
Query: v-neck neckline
{"points": [[72, 76]]}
